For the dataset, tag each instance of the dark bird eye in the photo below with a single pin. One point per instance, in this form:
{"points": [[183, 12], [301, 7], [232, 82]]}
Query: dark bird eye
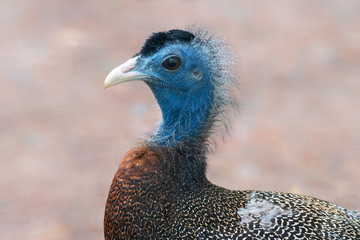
{"points": [[171, 63]]}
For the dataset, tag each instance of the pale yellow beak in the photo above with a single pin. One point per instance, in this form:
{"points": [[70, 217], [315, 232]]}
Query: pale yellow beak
{"points": [[124, 73]]}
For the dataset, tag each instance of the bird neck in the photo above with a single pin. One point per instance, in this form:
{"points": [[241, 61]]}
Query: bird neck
{"points": [[185, 115]]}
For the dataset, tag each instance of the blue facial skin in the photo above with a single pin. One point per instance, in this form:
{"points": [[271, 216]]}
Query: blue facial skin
{"points": [[184, 95]]}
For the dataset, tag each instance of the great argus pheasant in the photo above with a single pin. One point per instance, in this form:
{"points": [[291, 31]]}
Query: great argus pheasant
{"points": [[160, 190]]}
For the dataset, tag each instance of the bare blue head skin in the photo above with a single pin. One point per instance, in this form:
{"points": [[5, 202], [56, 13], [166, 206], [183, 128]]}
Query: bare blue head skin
{"points": [[184, 94], [176, 66]]}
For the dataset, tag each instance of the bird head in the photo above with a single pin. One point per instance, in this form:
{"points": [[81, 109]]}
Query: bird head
{"points": [[188, 73]]}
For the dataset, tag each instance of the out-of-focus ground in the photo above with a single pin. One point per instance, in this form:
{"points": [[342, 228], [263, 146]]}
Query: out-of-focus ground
{"points": [[63, 136]]}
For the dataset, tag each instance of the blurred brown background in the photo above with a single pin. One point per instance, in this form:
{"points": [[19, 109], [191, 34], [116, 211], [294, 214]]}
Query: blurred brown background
{"points": [[62, 135]]}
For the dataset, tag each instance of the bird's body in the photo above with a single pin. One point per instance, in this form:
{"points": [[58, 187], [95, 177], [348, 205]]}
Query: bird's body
{"points": [[160, 190], [153, 198]]}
